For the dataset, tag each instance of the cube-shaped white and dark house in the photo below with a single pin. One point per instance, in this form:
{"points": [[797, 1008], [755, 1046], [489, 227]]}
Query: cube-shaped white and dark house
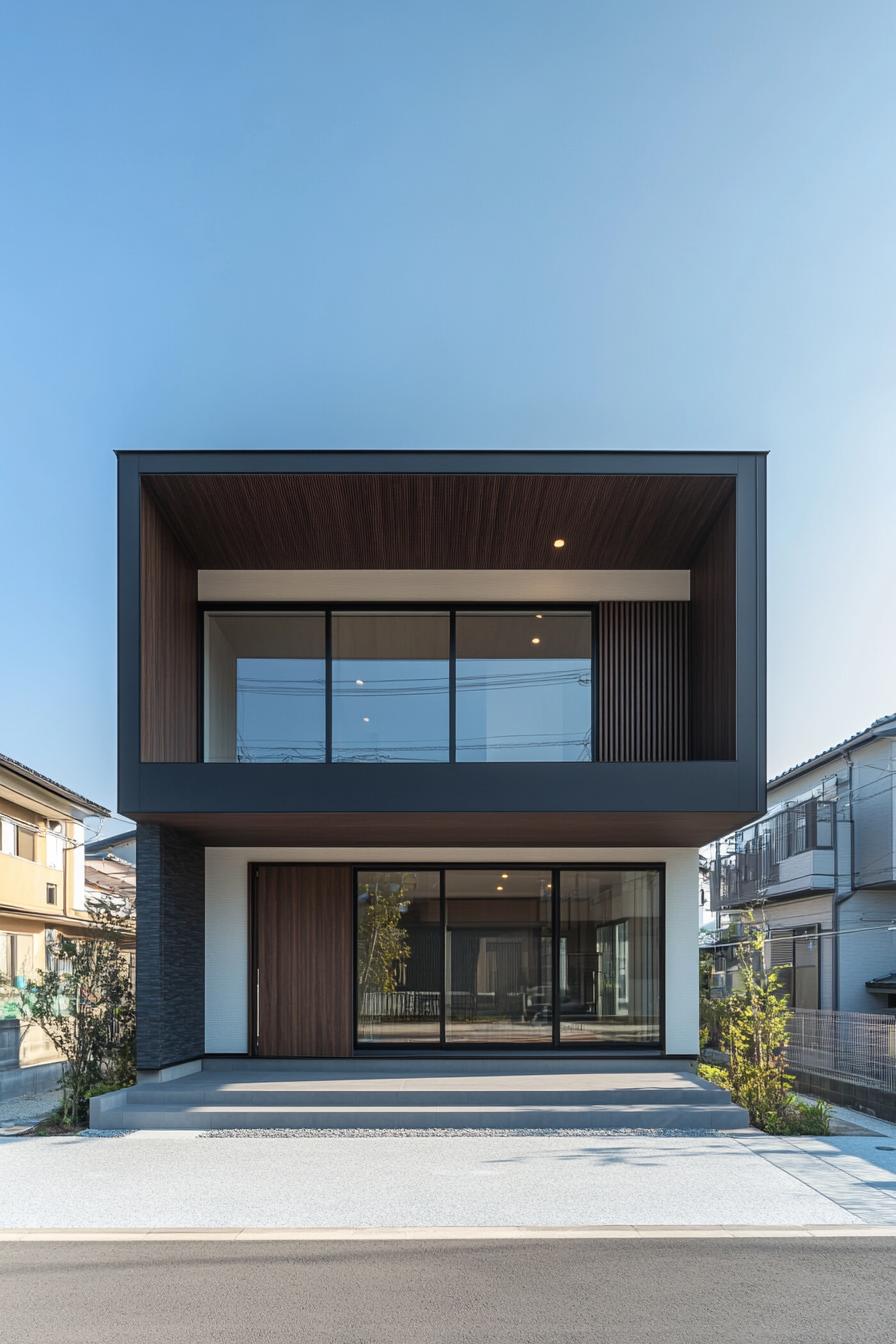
{"points": [[422, 747]]}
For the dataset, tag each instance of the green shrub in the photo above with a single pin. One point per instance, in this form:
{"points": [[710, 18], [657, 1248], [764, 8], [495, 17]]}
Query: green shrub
{"points": [[753, 1030], [803, 1117], [715, 1073]]}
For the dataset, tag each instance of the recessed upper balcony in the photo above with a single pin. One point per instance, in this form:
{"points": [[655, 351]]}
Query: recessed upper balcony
{"points": [[469, 614]]}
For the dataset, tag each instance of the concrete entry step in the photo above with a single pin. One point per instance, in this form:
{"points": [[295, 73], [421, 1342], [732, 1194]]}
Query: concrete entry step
{"points": [[146, 1116], [425, 1094], [244, 1094]]}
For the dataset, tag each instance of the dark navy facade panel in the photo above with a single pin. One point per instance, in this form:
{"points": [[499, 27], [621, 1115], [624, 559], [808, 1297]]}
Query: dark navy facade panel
{"points": [[156, 787]]}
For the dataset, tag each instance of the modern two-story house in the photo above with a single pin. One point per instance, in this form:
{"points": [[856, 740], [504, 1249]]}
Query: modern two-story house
{"points": [[422, 747]]}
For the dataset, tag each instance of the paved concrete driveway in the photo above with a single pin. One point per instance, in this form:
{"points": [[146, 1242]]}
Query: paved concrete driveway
{"points": [[146, 1180]]}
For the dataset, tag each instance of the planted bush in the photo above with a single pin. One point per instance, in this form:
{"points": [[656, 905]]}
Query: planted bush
{"points": [[85, 1004], [753, 1030]]}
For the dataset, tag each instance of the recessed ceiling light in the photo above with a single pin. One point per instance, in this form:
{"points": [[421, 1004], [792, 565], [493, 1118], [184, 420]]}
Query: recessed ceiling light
{"points": [[559, 543], [535, 639], [365, 719], [538, 616], [505, 876], [499, 888], [359, 681]]}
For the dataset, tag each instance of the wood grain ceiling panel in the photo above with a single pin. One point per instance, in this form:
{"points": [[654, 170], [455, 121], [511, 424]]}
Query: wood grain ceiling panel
{"points": [[398, 521]]}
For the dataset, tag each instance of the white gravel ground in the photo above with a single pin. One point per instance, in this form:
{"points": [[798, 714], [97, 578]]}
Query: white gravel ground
{"points": [[477, 1133], [28, 1110], [179, 1179]]}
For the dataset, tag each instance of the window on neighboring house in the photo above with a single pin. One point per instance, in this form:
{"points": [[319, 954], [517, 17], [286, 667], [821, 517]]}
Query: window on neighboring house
{"points": [[795, 958], [16, 964], [7, 836], [824, 825], [805, 967], [51, 893], [55, 963], [55, 844], [25, 842], [797, 840]]}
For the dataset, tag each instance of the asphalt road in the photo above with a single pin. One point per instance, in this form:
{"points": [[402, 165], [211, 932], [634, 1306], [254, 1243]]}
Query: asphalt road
{"points": [[627, 1292]]}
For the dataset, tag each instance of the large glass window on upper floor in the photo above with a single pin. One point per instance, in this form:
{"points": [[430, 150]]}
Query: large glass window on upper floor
{"points": [[523, 686], [398, 686], [391, 686], [265, 686]]}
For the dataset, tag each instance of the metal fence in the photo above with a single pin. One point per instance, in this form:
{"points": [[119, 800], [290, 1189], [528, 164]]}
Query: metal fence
{"points": [[401, 1005], [857, 1048]]}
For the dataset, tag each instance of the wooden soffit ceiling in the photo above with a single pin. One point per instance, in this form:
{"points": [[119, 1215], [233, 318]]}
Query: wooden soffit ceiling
{"points": [[397, 521]]}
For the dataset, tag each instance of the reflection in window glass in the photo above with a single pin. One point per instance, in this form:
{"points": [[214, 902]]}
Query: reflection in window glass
{"points": [[523, 686], [498, 957], [265, 687], [398, 957], [609, 957], [390, 686]]}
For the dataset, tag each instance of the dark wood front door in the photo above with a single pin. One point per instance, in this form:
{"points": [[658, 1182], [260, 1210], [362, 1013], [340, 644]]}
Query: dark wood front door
{"points": [[303, 961]]}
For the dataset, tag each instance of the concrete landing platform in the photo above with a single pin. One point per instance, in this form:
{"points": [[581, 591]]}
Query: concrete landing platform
{"points": [[481, 1094]]}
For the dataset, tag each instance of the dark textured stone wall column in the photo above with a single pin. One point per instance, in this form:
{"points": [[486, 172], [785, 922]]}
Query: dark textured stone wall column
{"points": [[170, 947]]}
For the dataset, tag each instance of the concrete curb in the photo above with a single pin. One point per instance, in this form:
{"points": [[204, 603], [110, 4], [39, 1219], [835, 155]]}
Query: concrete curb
{"points": [[647, 1231]]}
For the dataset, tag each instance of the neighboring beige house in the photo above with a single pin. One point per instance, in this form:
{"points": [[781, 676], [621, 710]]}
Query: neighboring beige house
{"points": [[42, 888]]}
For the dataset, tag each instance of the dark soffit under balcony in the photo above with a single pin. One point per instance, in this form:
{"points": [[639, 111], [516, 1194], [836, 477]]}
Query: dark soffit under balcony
{"points": [[486, 829]]}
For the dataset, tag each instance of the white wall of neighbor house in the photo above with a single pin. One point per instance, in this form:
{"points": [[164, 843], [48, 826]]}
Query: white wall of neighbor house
{"points": [[444, 585], [226, 923], [867, 948]]}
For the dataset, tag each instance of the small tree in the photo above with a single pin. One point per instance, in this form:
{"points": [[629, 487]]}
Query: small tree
{"points": [[85, 1004], [754, 1032]]}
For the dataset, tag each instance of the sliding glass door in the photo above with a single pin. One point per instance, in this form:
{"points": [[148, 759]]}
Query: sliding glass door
{"points": [[498, 957], [504, 956], [610, 957], [398, 958]]}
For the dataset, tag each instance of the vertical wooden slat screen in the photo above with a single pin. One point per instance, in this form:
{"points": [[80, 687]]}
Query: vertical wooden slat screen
{"points": [[168, 643], [642, 670], [714, 642]]}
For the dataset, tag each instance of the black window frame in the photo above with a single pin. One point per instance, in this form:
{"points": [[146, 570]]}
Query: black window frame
{"points": [[557, 1043], [329, 609]]}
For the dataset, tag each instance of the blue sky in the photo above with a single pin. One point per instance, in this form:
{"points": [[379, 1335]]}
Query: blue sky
{"points": [[633, 225]]}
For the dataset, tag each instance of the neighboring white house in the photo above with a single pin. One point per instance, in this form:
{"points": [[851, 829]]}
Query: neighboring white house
{"points": [[122, 845], [819, 871], [110, 869]]}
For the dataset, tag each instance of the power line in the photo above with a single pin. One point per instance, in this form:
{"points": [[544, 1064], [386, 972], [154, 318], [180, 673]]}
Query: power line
{"points": [[797, 937]]}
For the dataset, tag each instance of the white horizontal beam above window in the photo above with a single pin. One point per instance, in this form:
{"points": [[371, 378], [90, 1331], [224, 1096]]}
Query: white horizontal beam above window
{"points": [[444, 585]]}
